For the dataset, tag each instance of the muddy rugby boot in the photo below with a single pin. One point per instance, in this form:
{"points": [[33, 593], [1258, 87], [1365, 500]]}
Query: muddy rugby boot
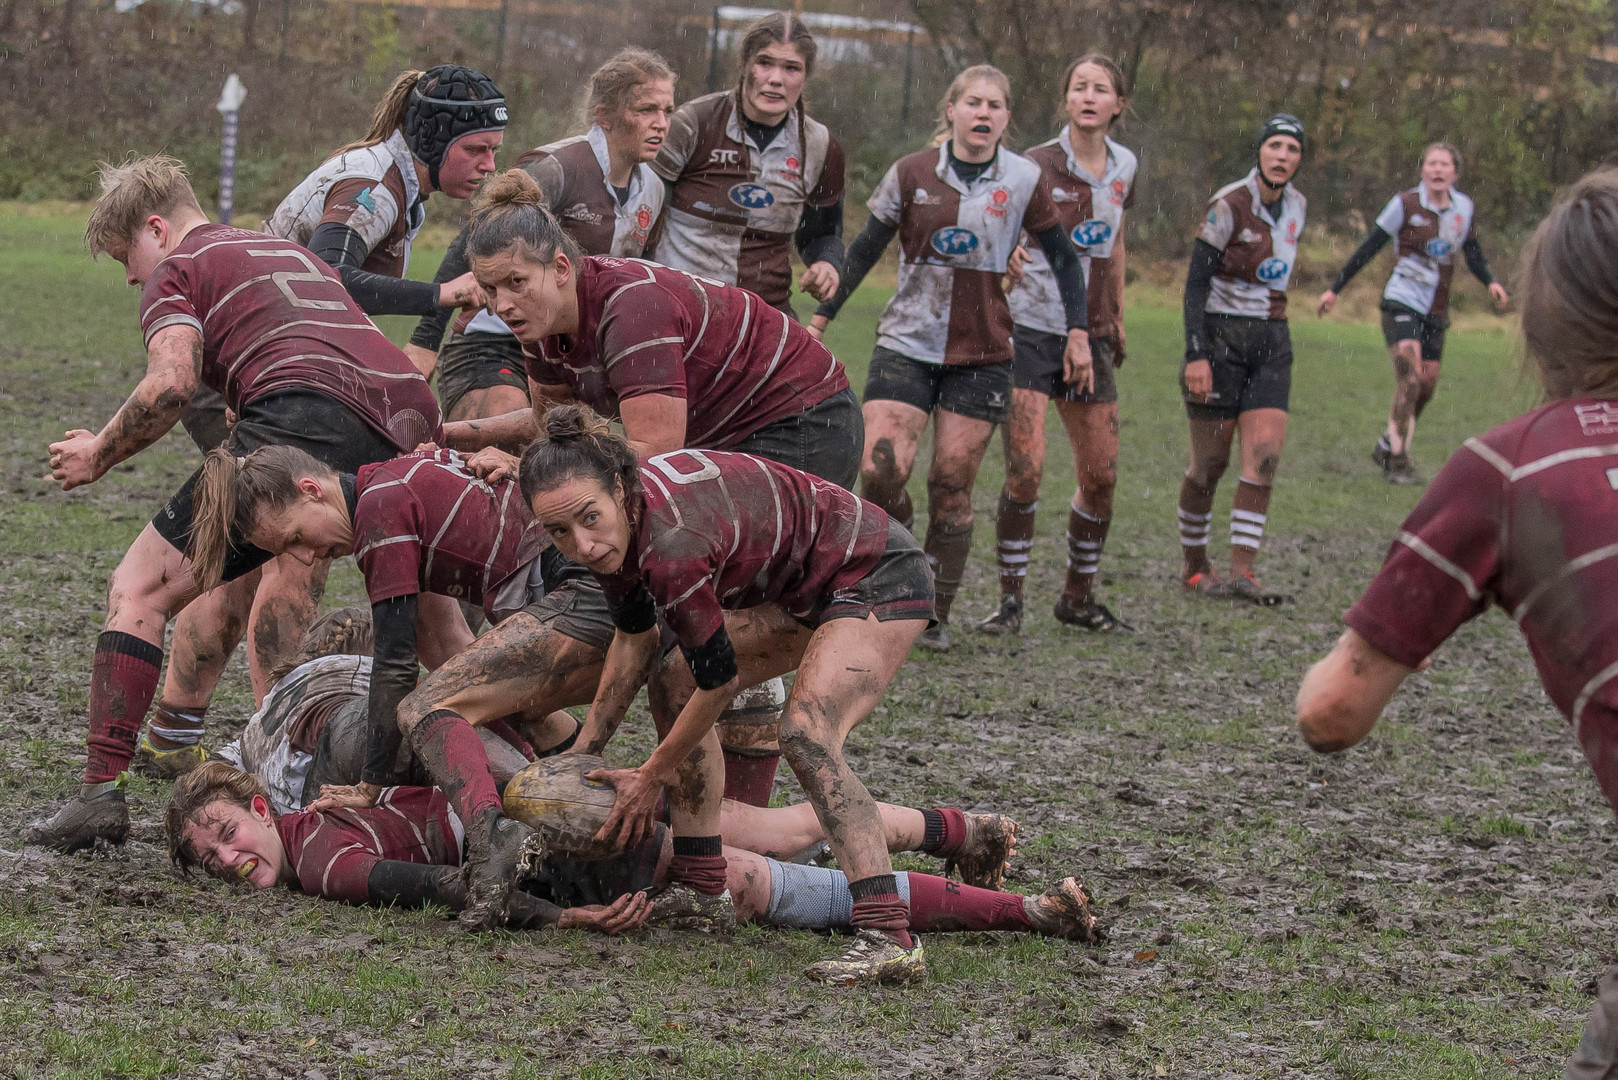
{"points": [[1088, 616], [1008, 620], [494, 846], [991, 841], [680, 907], [1399, 470], [1203, 583], [873, 958], [97, 812], [165, 764], [1246, 589], [1380, 453], [935, 638], [1063, 911]]}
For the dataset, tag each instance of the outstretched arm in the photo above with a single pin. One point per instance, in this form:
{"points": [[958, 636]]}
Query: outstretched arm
{"points": [[1343, 695]]}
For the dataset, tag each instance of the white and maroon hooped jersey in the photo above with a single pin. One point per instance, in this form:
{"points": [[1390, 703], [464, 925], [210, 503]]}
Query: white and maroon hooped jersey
{"points": [[1428, 240], [573, 174], [955, 241], [1259, 251], [734, 207], [373, 190], [1092, 213]]}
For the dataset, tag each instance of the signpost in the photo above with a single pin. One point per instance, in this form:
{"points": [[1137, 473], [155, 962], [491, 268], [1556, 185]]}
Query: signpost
{"points": [[230, 103]]}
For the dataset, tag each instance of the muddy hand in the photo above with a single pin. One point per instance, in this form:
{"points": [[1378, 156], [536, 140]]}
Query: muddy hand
{"points": [[341, 796], [73, 460], [493, 465], [621, 916], [632, 812]]}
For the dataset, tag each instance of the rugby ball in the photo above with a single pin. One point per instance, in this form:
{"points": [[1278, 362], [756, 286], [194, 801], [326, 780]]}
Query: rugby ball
{"points": [[552, 797]]}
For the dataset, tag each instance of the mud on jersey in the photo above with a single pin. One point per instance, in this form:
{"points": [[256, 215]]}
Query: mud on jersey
{"points": [[734, 207], [1428, 240], [273, 317], [1091, 210], [955, 241], [1525, 517], [373, 190], [333, 852], [573, 175], [1259, 252], [279, 741]]}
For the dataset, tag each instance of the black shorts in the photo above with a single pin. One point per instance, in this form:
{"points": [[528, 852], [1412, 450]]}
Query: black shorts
{"points": [[577, 609], [1252, 367], [981, 393], [1400, 323], [322, 427], [1037, 365], [469, 362], [825, 439], [900, 586], [204, 419]]}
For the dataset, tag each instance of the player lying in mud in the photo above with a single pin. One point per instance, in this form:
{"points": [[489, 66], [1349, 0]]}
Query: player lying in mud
{"points": [[406, 850]]}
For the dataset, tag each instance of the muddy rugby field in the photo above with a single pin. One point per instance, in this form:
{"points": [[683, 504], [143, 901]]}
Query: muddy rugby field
{"points": [[1434, 903]]}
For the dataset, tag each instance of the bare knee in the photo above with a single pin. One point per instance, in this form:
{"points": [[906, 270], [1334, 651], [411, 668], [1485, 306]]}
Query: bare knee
{"points": [[1266, 462], [1097, 482], [1206, 471]]}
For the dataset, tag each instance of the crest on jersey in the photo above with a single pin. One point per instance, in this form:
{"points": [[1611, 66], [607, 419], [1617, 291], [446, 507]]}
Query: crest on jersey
{"points": [[643, 217], [1272, 270], [365, 200], [1118, 193], [1091, 233], [997, 202], [954, 240], [1438, 247], [1292, 230], [751, 196]]}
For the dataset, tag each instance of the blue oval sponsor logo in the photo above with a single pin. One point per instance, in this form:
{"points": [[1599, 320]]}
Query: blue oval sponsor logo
{"points": [[1272, 270], [752, 196], [1092, 232], [1438, 247], [954, 240]]}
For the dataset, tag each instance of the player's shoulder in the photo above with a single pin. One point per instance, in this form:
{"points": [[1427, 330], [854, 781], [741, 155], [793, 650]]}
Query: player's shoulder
{"points": [[1127, 161], [1017, 168], [1463, 201], [359, 163], [1232, 195], [708, 108], [563, 149], [1525, 442], [1048, 155]]}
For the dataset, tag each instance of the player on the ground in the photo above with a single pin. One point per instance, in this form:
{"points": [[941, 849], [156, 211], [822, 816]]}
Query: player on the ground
{"points": [[360, 209], [1092, 182], [606, 197], [265, 323], [1525, 517], [943, 345], [406, 851], [751, 176], [759, 569], [1431, 222], [1237, 376]]}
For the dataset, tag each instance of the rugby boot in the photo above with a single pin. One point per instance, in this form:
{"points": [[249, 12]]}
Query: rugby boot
{"points": [[680, 907], [1380, 453], [1203, 583], [991, 841], [1248, 590], [935, 637], [1087, 616], [165, 764], [1008, 620], [1063, 911], [873, 958], [97, 812], [1399, 470], [494, 846]]}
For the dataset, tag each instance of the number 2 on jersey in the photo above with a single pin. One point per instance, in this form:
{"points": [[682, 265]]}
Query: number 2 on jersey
{"points": [[284, 278]]}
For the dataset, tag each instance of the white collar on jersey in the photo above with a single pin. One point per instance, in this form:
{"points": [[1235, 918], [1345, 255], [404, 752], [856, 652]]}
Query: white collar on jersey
{"points": [[1289, 194], [1426, 202], [639, 176], [947, 174], [1073, 166], [396, 145]]}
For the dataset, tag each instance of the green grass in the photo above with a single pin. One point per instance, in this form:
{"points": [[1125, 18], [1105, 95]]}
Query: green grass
{"points": [[1423, 906]]}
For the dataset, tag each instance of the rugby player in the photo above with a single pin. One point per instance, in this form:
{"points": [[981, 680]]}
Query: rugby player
{"points": [[360, 209], [606, 197], [1237, 375], [759, 569], [751, 175], [406, 852], [1431, 222], [1092, 182], [943, 345], [1522, 517], [266, 324]]}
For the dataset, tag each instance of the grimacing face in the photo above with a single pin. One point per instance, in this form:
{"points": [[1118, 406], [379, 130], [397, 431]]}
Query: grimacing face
{"points": [[774, 83], [467, 161], [587, 522], [233, 844], [638, 132]]}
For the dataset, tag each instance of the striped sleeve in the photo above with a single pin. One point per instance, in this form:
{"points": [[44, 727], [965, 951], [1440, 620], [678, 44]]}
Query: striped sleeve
{"points": [[642, 343], [388, 548], [164, 301]]}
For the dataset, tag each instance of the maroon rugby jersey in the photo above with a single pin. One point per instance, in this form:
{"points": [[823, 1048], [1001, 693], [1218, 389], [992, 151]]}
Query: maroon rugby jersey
{"points": [[719, 532], [423, 523], [333, 852], [274, 317], [738, 363], [1525, 517]]}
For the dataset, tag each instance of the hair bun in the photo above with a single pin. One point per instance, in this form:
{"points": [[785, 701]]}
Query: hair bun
{"points": [[574, 421], [514, 187]]}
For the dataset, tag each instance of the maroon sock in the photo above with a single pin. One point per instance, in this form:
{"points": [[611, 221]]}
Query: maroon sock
{"points": [[944, 832], [1196, 522], [506, 733], [940, 904], [1086, 536], [123, 681], [879, 907], [453, 754], [947, 547], [699, 862], [750, 777], [1013, 541]]}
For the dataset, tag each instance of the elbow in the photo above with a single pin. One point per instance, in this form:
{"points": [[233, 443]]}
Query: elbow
{"points": [[1331, 725]]}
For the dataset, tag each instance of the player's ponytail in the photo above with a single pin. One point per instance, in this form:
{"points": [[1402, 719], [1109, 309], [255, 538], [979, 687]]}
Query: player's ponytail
{"points": [[575, 442], [509, 213], [388, 115], [1567, 282], [230, 496]]}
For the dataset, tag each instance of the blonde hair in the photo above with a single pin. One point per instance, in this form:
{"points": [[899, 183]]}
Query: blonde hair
{"points": [[510, 212], [388, 115], [1568, 291], [943, 132], [213, 781], [232, 492], [613, 84], [131, 192]]}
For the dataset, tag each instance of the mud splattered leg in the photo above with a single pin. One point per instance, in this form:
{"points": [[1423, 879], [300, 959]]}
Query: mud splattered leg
{"points": [[287, 601]]}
